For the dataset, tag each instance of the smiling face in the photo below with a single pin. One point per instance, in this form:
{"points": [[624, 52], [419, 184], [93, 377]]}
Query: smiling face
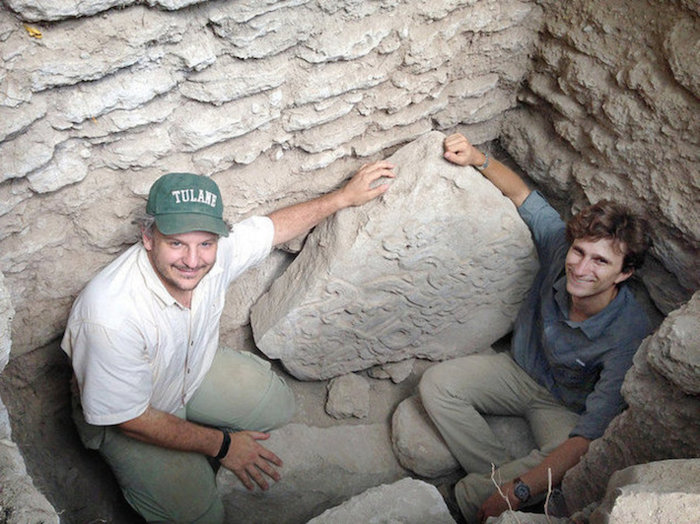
{"points": [[593, 270], [181, 260]]}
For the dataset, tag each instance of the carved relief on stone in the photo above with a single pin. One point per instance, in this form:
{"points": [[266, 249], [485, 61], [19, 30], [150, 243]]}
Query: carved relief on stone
{"points": [[435, 268]]}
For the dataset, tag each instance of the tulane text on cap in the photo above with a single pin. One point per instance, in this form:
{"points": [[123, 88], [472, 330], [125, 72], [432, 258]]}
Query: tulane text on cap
{"points": [[188, 195]]}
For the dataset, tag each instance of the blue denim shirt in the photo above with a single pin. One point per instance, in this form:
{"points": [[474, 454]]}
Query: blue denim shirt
{"points": [[584, 363]]}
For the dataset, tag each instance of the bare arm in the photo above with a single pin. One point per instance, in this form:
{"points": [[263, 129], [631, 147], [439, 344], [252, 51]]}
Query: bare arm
{"points": [[246, 458], [460, 151], [292, 221], [559, 461]]}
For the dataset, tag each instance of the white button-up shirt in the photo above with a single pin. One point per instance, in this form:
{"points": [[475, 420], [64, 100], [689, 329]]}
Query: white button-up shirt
{"points": [[132, 345]]}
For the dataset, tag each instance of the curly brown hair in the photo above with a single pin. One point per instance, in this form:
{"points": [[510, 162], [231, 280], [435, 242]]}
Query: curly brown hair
{"points": [[608, 219]]}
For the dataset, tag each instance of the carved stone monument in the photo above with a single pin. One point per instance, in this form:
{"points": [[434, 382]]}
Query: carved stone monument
{"points": [[436, 268]]}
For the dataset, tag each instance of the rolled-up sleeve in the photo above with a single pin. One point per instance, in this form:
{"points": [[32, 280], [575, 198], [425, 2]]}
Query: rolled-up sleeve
{"points": [[248, 244], [112, 370]]}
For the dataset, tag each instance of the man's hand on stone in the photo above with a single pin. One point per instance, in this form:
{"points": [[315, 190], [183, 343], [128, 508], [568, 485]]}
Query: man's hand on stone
{"points": [[459, 150], [360, 188], [249, 460]]}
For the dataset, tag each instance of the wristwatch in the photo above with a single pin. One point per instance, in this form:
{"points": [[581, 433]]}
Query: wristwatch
{"points": [[521, 490]]}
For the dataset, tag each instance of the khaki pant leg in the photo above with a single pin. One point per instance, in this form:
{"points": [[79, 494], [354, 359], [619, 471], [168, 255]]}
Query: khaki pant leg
{"points": [[241, 392], [551, 423], [457, 393]]}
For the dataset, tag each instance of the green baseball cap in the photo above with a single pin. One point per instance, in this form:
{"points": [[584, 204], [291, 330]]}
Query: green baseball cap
{"points": [[184, 202]]}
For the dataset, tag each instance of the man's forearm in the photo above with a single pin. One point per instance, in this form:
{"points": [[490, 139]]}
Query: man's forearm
{"points": [[509, 182], [460, 151], [559, 461], [292, 221], [245, 456], [168, 431]]}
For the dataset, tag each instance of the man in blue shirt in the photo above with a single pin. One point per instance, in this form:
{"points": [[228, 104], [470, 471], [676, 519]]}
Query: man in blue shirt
{"points": [[573, 342]]}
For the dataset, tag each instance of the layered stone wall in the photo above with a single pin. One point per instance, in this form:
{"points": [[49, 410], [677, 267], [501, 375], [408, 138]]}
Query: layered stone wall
{"points": [[610, 110], [281, 100], [277, 100]]}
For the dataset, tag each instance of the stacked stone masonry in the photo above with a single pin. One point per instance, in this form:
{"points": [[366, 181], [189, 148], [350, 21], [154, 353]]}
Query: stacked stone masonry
{"points": [[277, 100]]}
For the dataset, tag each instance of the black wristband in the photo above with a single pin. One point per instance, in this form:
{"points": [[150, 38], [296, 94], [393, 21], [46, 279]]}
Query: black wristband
{"points": [[223, 450]]}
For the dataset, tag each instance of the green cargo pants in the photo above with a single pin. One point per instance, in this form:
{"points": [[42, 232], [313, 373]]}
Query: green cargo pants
{"points": [[240, 392]]}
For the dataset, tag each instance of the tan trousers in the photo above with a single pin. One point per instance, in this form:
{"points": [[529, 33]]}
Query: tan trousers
{"points": [[456, 394], [240, 392]]}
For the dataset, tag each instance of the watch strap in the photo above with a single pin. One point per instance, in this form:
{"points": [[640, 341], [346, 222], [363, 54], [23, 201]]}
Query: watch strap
{"points": [[521, 490]]}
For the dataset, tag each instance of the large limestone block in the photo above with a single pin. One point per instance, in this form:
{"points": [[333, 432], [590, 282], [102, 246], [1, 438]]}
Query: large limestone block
{"points": [[435, 268], [674, 352], [322, 468], [663, 491], [409, 501]]}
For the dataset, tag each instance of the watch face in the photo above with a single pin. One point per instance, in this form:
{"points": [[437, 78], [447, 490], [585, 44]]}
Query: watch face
{"points": [[522, 491]]}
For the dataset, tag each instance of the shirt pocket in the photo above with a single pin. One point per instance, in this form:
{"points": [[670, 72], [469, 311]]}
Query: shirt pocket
{"points": [[577, 375]]}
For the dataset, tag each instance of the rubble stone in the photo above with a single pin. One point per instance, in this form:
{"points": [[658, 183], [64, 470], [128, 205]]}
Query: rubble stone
{"points": [[675, 354], [663, 491], [408, 501], [396, 371], [420, 448], [348, 396]]}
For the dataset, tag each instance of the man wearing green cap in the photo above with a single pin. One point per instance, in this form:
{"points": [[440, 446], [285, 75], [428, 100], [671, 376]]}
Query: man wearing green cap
{"points": [[153, 392]]}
